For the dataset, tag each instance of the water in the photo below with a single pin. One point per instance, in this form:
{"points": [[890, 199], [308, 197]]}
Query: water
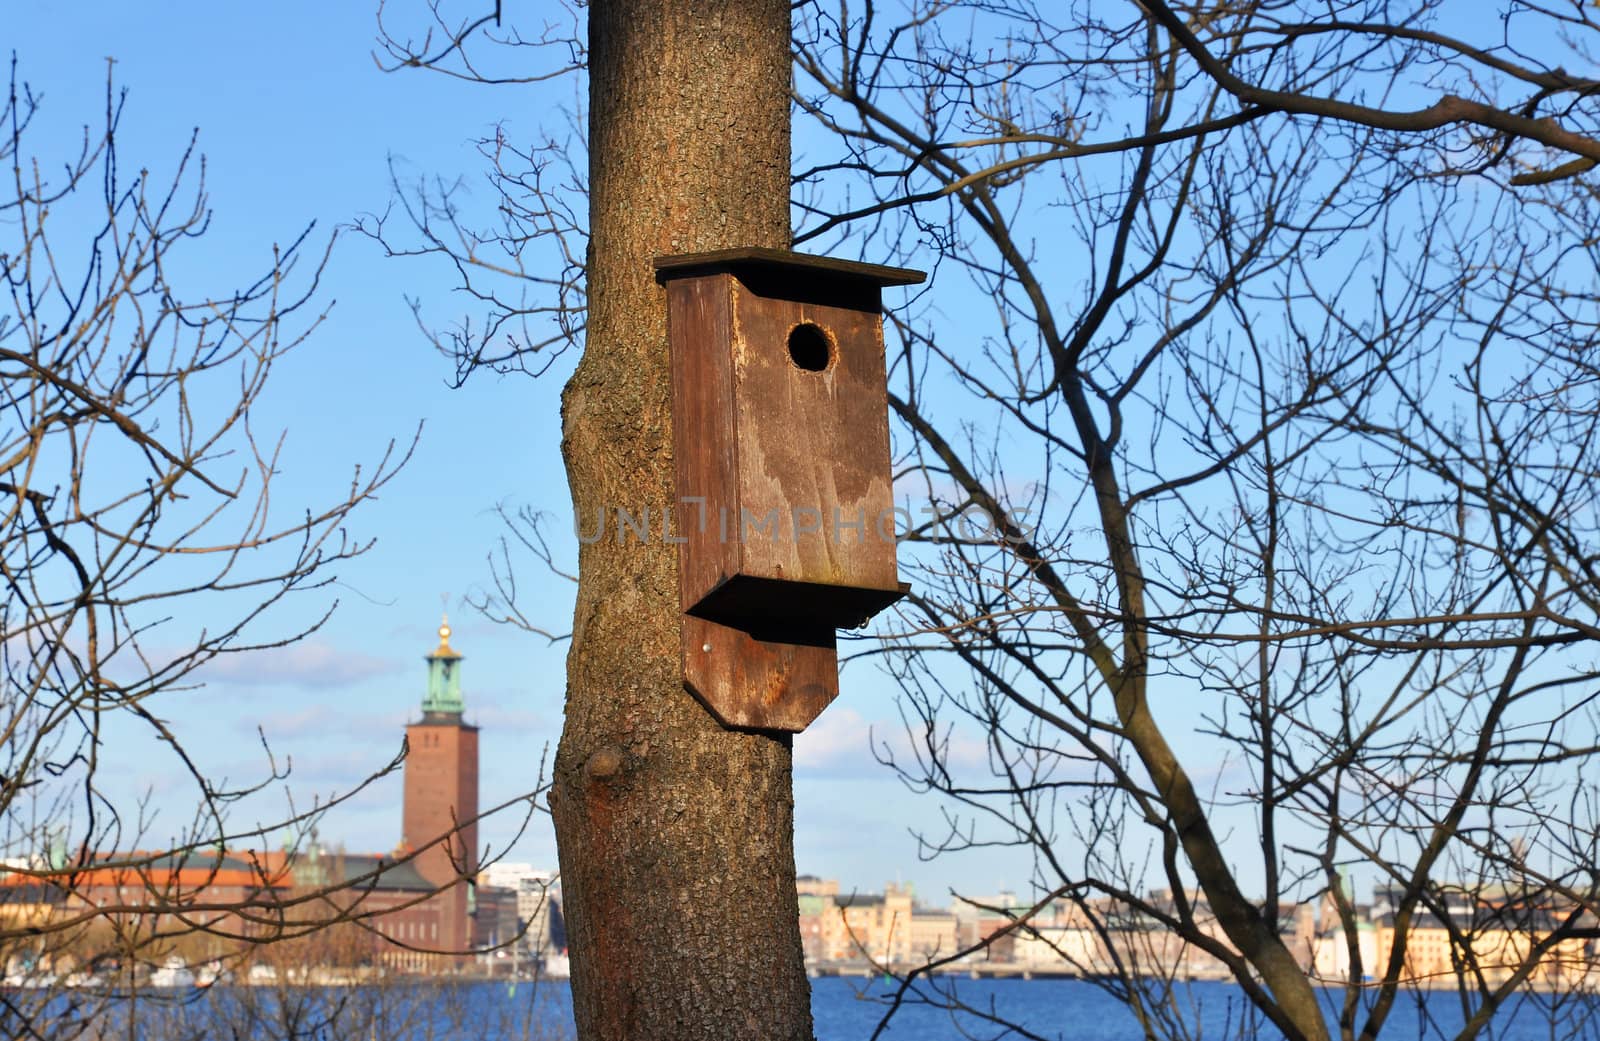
{"points": [[843, 1010], [849, 1010]]}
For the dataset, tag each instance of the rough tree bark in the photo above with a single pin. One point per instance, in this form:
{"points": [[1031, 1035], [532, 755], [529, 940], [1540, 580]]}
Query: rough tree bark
{"points": [[676, 836]]}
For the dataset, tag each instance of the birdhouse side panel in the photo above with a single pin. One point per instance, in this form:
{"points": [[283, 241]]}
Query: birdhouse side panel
{"points": [[812, 450], [700, 330]]}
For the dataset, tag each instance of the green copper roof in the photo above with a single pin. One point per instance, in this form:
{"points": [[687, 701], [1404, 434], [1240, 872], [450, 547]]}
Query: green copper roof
{"points": [[444, 677]]}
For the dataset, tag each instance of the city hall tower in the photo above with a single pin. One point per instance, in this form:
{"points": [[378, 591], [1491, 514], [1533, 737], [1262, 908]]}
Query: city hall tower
{"points": [[441, 794]]}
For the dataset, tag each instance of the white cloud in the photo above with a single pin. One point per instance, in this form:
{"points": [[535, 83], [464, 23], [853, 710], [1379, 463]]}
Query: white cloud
{"points": [[840, 745], [308, 663], [495, 718]]}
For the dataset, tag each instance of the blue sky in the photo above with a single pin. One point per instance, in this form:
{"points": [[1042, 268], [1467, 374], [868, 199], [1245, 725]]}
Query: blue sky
{"points": [[298, 125]]}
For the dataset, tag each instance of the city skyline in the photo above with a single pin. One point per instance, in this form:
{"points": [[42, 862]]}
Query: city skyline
{"points": [[333, 704]]}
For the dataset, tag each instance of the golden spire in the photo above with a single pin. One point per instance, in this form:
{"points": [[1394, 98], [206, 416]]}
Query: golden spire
{"points": [[444, 650]]}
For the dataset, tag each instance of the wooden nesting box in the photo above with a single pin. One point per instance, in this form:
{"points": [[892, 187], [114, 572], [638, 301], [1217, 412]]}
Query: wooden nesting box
{"points": [[782, 449]]}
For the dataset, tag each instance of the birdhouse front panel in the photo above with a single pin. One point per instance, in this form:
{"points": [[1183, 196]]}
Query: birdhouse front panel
{"points": [[812, 460]]}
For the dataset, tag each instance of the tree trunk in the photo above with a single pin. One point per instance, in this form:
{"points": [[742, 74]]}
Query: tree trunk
{"points": [[676, 835]]}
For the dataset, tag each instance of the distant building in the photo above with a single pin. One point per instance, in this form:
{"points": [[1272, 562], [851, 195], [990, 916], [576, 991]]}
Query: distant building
{"points": [[402, 917], [495, 925], [816, 904], [871, 925], [932, 935], [989, 918], [883, 928], [1487, 931], [428, 899], [438, 817], [204, 889], [537, 893]]}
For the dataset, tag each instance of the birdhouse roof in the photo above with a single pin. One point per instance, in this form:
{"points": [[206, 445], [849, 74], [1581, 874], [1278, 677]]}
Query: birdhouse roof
{"points": [[802, 267]]}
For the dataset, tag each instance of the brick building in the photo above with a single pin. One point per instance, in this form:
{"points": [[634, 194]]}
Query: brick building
{"points": [[438, 817]]}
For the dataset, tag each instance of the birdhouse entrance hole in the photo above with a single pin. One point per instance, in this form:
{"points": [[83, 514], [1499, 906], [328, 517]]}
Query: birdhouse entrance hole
{"points": [[809, 347]]}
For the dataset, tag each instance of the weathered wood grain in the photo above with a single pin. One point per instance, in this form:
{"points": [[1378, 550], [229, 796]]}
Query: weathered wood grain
{"points": [[785, 498]]}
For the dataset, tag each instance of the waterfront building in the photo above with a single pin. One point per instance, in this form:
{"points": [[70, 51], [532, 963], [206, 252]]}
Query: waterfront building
{"points": [[883, 928], [439, 827], [537, 895], [395, 917], [869, 926]]}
